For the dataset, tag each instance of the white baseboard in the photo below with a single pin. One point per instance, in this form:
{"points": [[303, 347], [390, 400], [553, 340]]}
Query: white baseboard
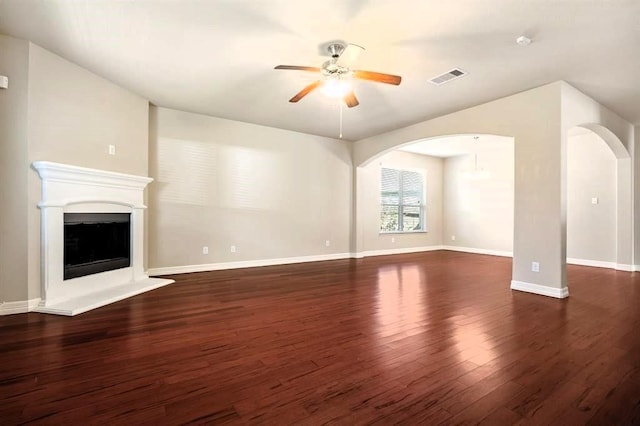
{"points": [[384, 252], [479, 251], [559, 293], [602, 264], [406, 250], [169, 270], [19, 306], [592, 263], [626, 268]]}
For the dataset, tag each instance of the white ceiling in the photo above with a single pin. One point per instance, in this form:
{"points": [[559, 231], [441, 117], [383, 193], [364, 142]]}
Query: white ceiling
{"points": [[216, 57], [452, 146]]}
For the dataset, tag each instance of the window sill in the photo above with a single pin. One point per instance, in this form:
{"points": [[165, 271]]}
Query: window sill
{"points": [[401, 232]]}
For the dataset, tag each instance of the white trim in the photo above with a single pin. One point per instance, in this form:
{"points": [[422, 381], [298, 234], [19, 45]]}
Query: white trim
{"points": [[170, 270], [65, 173], [625, 268], [543, 290], [602, 264], [592, 263], [385, 252], [19, 306], [479, 251]]}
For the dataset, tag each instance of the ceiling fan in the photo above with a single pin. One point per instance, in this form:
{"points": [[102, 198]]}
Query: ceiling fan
{"points": [[337, 73]]}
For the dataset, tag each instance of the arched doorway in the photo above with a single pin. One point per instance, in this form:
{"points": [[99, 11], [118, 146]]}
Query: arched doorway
{"points": [[599, 207], [469, 195]]}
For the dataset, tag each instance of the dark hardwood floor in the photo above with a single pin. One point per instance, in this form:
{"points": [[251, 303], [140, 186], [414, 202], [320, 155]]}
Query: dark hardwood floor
{"points": [[423, 338]]}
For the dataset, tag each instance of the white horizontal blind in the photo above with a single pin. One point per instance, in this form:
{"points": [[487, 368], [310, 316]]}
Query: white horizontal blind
{"points": [[402, 200]]}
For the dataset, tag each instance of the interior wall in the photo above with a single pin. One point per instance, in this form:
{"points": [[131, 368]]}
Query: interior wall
{"points": [[591, 172], [73, 117], [14, 63], [271, 193], [432, 167], [478, 203]]}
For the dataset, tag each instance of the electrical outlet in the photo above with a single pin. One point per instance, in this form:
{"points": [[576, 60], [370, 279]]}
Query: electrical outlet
{"points": [[453, 238], [233, 249], [112, 150], [393, 239], [327, 243], [205, 250], [594, 200], [535, 266]]}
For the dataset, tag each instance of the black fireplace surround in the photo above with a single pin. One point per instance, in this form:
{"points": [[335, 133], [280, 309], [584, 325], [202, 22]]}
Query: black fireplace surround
{"points": [[96, 242]]}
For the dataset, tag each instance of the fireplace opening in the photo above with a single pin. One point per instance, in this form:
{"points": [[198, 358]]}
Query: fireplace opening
{"points": [[96, 242]]}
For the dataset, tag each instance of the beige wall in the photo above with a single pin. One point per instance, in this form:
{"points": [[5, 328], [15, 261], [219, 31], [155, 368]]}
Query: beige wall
{"points": [[432, 168], [14, 63], [74, 115], [271, 193], [478, 211], [591, 172]]}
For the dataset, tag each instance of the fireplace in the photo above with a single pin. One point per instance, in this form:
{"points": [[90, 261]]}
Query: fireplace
{"points": [[92, 241], [96, 242]]}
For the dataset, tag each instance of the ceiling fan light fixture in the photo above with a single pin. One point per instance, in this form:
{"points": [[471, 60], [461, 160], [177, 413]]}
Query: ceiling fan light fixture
{"points": [[336, 88]]}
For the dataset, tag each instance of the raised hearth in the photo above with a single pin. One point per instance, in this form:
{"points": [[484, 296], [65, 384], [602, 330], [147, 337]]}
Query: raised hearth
{"points": [[73, 190]]}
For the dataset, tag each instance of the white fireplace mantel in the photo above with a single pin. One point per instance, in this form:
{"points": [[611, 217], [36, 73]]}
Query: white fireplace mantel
{"points": [[73, 189]]}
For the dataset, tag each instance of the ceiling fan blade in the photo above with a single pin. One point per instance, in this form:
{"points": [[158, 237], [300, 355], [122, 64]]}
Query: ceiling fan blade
{"points": [[349, 56], [304, 92], [298, 68], [351, 100], [377, 76]]}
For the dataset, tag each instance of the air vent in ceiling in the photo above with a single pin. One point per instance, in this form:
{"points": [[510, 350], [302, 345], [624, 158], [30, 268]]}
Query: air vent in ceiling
{"points": [[448, 76]]}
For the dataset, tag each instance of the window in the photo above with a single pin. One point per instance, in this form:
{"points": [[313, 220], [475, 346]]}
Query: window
{"points": [[401, 201]]}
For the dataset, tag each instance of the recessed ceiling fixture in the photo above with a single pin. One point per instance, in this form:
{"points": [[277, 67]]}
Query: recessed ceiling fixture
{"points": [[448, 76], [523, 40]]}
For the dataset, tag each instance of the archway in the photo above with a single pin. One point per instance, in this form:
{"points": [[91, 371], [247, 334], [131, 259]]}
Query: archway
{"points": [[469, 195], [615, 184]]}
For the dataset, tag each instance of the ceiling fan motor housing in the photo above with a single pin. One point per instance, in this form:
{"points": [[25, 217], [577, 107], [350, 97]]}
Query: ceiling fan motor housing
{"points": [[335, 50]]}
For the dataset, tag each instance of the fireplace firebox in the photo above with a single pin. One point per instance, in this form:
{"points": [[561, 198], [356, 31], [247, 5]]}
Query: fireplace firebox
{"points": [[96, 242]]}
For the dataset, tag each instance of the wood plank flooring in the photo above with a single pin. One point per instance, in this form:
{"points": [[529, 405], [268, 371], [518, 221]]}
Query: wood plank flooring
{"points": [[426, 338]]}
